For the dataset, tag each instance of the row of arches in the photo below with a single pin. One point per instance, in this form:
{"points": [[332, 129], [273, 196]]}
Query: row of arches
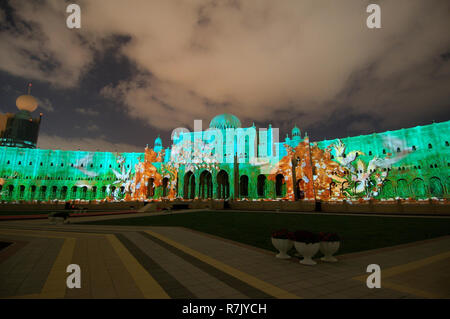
{"points": [[54, 192], [417, 188], [205, 187], [401, 188], [151, 188]]}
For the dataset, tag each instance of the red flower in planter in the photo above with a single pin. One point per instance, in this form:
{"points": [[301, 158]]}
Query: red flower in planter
{"points": [[329, 237], [306, 237], [282, 234]]}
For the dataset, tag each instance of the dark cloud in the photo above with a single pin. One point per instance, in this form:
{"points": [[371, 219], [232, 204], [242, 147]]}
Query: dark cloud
{"points": [[166, 63]]}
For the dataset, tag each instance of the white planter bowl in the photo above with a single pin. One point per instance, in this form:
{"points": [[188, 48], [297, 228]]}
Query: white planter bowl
{"points": [[283, 246], [60, 220], [307, 251], [329, 248]]}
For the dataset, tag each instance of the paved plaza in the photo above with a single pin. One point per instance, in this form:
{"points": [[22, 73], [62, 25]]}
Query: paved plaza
{"points": [[174, 262]]}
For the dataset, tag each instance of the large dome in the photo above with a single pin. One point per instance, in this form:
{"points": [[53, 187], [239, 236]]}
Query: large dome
{"points": [[295, 131], [224, 121], [26, 103]]}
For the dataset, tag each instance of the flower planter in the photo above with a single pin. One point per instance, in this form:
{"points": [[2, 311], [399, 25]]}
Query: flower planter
{"points": [[329, 248], [57, 220], [307, 251], [60, 220], [283, 246]]}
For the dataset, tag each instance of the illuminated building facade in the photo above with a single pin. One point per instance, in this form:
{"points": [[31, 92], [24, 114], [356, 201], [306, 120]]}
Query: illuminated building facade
{"points": [[230, 162], [21, 129]]}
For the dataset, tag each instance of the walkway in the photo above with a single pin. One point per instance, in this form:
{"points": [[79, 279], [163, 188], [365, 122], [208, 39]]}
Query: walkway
{"points": [[170, 262]]}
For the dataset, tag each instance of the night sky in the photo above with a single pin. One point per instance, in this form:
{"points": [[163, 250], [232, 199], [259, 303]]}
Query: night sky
{"points": [[139, 68]]}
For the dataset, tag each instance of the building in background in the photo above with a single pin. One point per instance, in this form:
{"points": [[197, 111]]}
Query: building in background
{"points": [[21, 129]]}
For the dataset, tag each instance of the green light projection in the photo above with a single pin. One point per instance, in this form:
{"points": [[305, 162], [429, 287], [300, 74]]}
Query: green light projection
{"points": [[412, 164]]}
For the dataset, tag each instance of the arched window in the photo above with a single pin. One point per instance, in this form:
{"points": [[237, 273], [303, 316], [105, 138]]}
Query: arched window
{"points": [[151, 188], [83, 192], [243, 185], [74, 191], [205, 188], [165, 186], [223, 185], [21, 191], [403, 189], [261, 185], [64, 192], [279, 181], [43, 192], [54, 190], [418, 188], [387, 190], [436, 188], [10, 190]]}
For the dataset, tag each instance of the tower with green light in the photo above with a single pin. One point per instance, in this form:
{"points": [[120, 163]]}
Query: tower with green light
{"points": [[21, 129]]}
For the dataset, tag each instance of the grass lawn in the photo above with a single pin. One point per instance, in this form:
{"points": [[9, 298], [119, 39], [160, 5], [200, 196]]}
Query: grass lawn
{"points": [[15, 213], [358, 233], [19, 213]]}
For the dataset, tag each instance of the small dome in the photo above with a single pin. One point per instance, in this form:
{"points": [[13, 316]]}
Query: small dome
{"points": [[158, 141], [26, 103], [224, 121], [295, 131], [158, 145]]}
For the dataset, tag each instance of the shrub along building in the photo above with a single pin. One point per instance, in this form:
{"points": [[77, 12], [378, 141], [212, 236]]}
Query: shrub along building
{"points": [[230, 162]]}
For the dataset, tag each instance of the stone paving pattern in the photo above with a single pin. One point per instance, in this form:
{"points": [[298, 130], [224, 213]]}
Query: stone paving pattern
{"points": [[174, 262]]}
